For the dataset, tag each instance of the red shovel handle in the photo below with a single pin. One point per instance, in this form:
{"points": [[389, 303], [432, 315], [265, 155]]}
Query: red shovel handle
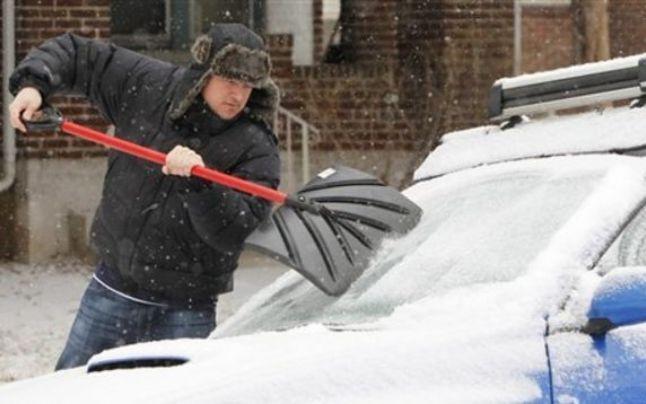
{"points": [[160, 158]]}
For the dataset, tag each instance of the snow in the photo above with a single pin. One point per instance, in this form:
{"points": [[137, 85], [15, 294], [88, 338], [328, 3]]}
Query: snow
{"points": [[470, 340], [627, 279], [592, 132], [37, 307], [571, 71], [595, 373], [38, 304], [579, 363], [455, 311], [634, 339], [574, 316], [453, 245]]}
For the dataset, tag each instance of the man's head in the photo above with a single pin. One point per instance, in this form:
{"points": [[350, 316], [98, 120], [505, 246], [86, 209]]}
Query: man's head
{"points": [[233, 72]]}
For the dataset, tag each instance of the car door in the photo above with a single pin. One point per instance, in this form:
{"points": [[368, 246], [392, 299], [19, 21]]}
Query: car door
{"points": [[606, 367], [602, 359]]}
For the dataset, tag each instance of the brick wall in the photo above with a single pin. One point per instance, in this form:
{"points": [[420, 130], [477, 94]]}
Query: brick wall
{"points": [[411, 65], [352, 105], [545, 47], [401, 52], [280, 48], [451, 51], [38, 20], [549, 34], [369, 29], [627, 29], [317, 26]]}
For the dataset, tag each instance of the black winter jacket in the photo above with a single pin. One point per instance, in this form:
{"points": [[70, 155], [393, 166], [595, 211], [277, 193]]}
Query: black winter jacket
{"points": [[163, 238]]}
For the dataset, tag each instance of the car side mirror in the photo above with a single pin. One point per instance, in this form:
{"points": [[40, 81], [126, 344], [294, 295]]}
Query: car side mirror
{"points": [[620, 299]]}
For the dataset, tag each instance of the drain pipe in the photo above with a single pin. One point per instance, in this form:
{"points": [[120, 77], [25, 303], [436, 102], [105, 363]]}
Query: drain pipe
{"points": [[8, 63]]}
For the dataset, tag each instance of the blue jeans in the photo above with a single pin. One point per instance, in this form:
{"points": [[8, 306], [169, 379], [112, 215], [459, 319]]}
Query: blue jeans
{"points": [[107, 320]]}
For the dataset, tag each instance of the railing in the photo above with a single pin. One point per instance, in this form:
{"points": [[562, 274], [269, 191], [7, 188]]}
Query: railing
{"points": [[283, 124]]}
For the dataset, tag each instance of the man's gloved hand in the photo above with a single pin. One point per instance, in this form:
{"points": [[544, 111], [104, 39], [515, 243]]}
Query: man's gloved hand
{"points": [[180, 160], [24, 106]]}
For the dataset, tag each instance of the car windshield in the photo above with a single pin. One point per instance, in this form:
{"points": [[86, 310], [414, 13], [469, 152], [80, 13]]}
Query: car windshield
{"points": [[479, 226], [629, 249]]}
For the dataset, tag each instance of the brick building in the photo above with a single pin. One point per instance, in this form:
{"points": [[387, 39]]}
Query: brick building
{"points": [[381, 80], [544, 47]]}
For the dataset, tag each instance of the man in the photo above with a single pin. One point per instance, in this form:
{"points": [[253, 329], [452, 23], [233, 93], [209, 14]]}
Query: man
{"points": [[167, 243]]}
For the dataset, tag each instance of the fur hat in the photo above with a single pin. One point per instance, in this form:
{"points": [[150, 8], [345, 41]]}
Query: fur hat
{"points": [[232, 51]]}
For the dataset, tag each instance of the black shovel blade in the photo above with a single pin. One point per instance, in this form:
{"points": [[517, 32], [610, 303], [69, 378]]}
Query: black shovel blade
{"points": [[332, 249]]}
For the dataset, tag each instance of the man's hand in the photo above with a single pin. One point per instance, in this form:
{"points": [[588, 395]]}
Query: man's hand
{"points": [[27, 102], [181, 160]]}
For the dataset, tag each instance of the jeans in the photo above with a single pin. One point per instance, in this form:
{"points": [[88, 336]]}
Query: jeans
{"points": [[107, 320]]}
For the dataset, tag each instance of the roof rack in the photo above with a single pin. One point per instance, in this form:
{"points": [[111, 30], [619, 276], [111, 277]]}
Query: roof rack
{"points": [[576, 86]]}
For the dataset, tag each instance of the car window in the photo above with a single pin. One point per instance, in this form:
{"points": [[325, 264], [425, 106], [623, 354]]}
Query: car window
{"points": [[629, 249], [481, 225]]}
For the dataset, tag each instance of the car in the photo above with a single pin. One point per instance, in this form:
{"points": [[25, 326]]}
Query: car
{"points": [[524, 281]]}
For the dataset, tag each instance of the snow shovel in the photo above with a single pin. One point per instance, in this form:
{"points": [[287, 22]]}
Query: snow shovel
{"points": [[327, 231]]}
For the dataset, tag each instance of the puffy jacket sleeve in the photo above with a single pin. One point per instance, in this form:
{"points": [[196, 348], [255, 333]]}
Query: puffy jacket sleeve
{"points": [[102, 72], [224, 218]]}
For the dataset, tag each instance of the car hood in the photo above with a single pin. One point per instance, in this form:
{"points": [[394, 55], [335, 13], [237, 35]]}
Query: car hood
{"points": [[404, 360], [618, 129]]}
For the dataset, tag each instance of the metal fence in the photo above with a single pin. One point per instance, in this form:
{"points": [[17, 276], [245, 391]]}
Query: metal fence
{"points": [[285, 124]]}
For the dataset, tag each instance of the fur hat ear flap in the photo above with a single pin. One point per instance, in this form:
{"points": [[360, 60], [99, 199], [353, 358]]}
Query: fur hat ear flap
{"points": [[263, 103], [201, 49]]}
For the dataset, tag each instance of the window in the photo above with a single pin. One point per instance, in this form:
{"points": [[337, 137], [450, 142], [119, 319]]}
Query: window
{"points": [[144, 24], [332, 31], [629, 249], [174, 24]]}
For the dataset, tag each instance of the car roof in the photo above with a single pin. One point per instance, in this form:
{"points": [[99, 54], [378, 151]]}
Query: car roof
{"points": [[610, 130]]}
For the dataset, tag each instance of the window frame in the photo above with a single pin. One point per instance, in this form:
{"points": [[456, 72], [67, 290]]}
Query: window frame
{"points": [[148, 41]]}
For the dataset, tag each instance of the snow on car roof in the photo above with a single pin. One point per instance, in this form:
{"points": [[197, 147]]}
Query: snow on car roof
{"points": [[592, 132], [571, 71]]}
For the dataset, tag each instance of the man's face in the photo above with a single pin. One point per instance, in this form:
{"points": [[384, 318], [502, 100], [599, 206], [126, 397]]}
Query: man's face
{"points": [[226, 97]]}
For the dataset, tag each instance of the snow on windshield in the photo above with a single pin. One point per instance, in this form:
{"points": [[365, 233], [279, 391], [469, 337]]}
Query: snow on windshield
{"points": [[584, 133], [481, 341], [479, 227]]}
